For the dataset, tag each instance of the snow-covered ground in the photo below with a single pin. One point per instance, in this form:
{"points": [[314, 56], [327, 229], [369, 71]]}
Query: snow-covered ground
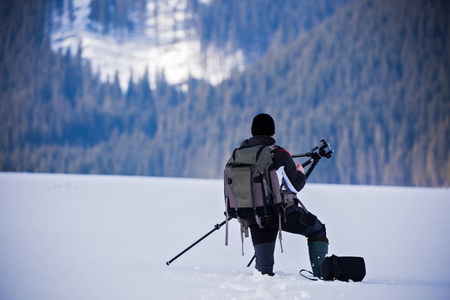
{"points": [[109, 237], [165, 45]]}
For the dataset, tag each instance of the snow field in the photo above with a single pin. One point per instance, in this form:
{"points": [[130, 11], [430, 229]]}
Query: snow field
{"points": [[109, 237]]}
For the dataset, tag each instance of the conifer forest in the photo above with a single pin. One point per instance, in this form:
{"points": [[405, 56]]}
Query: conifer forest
{"points": [[370, 77]]}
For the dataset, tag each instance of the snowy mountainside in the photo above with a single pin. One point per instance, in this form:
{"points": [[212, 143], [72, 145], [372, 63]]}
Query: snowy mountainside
{"points": [[165, 45], [108, 237]]}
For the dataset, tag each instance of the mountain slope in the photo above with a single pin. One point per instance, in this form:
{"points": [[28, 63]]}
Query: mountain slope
{"points": [[370, 78], [188, 38]]}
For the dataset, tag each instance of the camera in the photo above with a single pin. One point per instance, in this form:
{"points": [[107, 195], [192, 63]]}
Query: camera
{"points": [[322, 150]]}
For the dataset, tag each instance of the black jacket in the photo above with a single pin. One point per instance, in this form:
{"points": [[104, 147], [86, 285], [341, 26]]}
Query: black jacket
{"points": [[283, 162]]}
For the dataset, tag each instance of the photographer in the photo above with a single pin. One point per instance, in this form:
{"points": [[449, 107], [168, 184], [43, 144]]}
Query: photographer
{"points": [[298, 220]]}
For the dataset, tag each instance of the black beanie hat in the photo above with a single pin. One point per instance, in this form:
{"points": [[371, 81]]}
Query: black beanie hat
{"points": [[263, 124]]}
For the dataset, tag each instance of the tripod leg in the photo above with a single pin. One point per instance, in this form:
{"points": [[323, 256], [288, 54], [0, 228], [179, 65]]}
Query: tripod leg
{"points": [[250, 262], [311, 168], [216, 227]]}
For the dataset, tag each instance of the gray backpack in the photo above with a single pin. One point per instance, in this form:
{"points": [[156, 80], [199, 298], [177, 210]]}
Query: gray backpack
{"points": [[252, 191]]}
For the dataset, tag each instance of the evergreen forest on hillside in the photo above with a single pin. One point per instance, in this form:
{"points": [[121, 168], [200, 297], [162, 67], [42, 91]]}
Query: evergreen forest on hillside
{"points": [[371, 77]]}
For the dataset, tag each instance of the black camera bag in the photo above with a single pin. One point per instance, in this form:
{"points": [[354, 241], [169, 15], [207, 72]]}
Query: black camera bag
{"points": [[343, 268]]}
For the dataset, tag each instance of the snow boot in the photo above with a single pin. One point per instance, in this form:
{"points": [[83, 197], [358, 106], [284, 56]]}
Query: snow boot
{"points": [[318, 249]]}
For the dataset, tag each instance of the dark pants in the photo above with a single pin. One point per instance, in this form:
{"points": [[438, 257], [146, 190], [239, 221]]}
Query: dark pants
{"points": [[297, 222]]}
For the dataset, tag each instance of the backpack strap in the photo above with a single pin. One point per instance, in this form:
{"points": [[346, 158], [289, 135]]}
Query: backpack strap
{"points": [[234, 153], [272, 148], [244, 231], [280, 237], [337, 273], [259, 152], [289, 197], [308, 277], [226, 206]]}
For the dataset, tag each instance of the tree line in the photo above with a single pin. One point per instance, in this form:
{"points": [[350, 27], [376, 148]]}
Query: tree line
{"points": [[371, 78]]}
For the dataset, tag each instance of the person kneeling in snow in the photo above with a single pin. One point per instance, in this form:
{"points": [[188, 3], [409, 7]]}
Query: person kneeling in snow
{"points": [[298, 220]]}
